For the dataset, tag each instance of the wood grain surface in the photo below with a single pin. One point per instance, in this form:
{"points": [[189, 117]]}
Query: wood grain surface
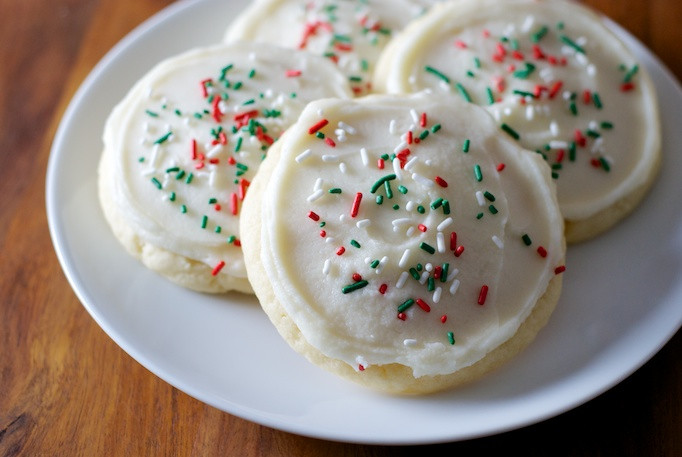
{"points": [[67, 389]]}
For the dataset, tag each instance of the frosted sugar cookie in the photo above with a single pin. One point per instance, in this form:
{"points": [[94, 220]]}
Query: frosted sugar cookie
{"points": [[181, 149], [558, 81], [402, 242], [350, 33]]}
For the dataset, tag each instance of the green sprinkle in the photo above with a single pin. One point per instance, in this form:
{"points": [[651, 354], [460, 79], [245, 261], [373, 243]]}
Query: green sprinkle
{"points": [[479, 216], [446, 207], [231, 239], [431, 284], [463, 92], [218, 229], [526, 72], [157, 183], [606, 125], [492, 209], [414, 273], [355, 244], [451, 338], [572, 151], [238, 146], [355, 286], [477, 173], [402, 189], [396, 207], [241, 166], [238, 85], [491, 97], [183, 209], [539, 35], [172, 169], [510, 131], [178, 112], [437, 203], [477, 62], [389, 191], [555, 175], [250, 101], [374, 264], [164, 138], [252, 73], [437, 73], [605, 164], [592, 133], [381, 181], [212, 201], [435, 128], [573, 108], [405, 305], [465, 145], [421, 209], [566, 40], [380, 199], [427, 247], [189, 178], [171, 197], [423, 135], [526, 240], [523, 93], [632, 72], [489, 196], [204, 221], [141, 159], [151, 113], [335, 190], [444, 272], [596, 99]]}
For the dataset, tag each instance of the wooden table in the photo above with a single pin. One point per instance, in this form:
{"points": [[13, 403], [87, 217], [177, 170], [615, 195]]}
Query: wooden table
{"points": [[67, 389]]}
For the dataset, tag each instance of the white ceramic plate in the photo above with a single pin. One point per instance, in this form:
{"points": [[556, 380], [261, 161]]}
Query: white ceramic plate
{"points": [[621, 300]]}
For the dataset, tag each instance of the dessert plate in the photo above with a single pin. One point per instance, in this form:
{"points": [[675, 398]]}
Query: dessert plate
{"points": [[620, 305]]}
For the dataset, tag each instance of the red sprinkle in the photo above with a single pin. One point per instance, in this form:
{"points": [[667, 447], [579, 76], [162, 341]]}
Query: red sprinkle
{"points": [[356, 204], [380, 164], [422, 120], [293, 73], [313, 129], [441, 182], [314, 216], [423, 305], [218, 267], [357, 277], [500, 167], [542, 251], [587, 97], [556, 87], [627, 87], [437, 272], [330, 142], [323, 233], [234, 205], [361, 367], [459, 250], [402, 316], [560, 269], [482, 295], [340, 251], [204, 91], [453, 241], [443, 318], [460, 44], [194, 149], [408, 137], [422, 228], [383, 288]]}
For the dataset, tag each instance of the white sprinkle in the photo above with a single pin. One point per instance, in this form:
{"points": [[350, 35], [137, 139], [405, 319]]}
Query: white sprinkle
{"points": [[530, 112], [342, 217], [302, 156], [558, 144], [409, 205], [454, 286], [315, 195], [409, 342], [402, 145], [363, 223], [436, 294], [480, 198], [411, 163], [320, 113], [440, 242], [401, 280], [405, 257], [342, 167], [445, 224], [349, 129], [326, 267], [593, 125], [329, 240], [401, 221], [363, 156], [598, 145], [547, 74], [425, 276], [426, 182], [215, 150], [498, 242], [567, 94], [156, 155], [591, 70], [410, 231], [382, 264], [391, 127], [415, 116], [428, 267], [368, 260], [330, 158], [318, 184], [452, 274], [554, 128], [527, 24], [397, 170], [582, 59]]}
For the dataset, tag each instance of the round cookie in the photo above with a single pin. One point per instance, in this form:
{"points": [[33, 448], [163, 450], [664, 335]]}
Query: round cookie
{"points": [[351, 33], [557, 80], [181, 149], [402, 242]]}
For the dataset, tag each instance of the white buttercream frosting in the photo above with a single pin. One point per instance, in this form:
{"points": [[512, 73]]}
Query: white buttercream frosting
{"points": [[187, 139], [551, 72], [407, 230], [351, 33]]}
